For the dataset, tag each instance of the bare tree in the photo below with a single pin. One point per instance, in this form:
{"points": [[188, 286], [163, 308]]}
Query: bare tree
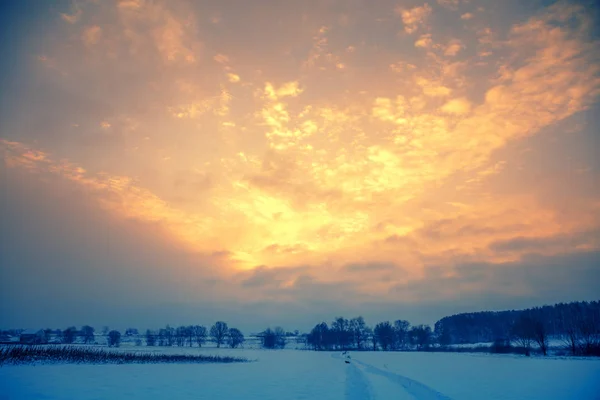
{"points": [[162, 337], [540, 336], [588, 330], [273, 338], [218, 332], [88, 334], [401, 328], [340, 328], [523, 333], [150, 338], [235, 338], [384, 334], [570, 337], [420, 336], [169, 336], [190, 335], [114, 338], [359, 331], [180, 336], [319, 337], [199, 334], [68, 335], [280, 338]]}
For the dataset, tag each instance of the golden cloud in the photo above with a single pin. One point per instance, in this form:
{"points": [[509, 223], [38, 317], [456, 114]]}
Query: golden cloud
{"points": [[415, 17], [337, 160]]}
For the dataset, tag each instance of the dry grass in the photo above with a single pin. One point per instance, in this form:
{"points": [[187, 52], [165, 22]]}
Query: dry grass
{"points": [[18, 355]]}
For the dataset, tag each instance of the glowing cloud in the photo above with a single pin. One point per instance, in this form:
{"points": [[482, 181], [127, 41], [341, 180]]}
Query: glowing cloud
{"points": [[318, 154], [457, 106], [415, 17]]}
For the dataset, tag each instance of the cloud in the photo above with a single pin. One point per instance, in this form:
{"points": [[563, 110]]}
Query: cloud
{"points": [[74, 17], [432, 88], [91, 35], [451, 4], [255, 148], [414, 18], [370, 268], [221, 58], [233, 78], [538, 279], [584, 240], [453, 48], [262, 277], [118, 194], [467, 16], [138, 29], [424, 41], [458, 106]]}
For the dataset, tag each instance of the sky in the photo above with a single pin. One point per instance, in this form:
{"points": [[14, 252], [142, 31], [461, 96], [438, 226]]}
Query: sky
{"points": [[285, 162]]}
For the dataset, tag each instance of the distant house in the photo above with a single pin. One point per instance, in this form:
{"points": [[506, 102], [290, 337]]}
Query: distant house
{"points": [[32, 336]]}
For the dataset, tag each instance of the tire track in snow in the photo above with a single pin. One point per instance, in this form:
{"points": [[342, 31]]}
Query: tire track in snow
{"points": [[357, 384], [416, 389]]}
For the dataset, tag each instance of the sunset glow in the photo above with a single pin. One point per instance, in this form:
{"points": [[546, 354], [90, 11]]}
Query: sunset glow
{"points": [[387, 152]]}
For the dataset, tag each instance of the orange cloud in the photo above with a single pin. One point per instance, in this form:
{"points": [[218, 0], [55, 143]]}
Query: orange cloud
{"points": [[457, 106], [91, 35], [415, 17], [325, 161]]}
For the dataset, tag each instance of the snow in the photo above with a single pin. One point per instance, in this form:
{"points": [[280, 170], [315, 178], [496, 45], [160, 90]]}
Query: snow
{"points": [[294, 374]]}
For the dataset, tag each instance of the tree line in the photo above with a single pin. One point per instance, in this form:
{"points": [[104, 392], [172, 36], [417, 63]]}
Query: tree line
{"points": [[576, 324], [191, 335], [354, 334]]}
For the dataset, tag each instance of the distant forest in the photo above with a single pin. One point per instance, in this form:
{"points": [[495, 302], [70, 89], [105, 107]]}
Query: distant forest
{"points": [[574, 328], [559, 320]]}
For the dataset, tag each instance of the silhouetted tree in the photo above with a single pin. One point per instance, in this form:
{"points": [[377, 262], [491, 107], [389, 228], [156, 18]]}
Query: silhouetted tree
{"points": [[523, 333], [273, 338], [570, 336], [169, 336], [235, 338], [280, 339], [442, 334], [559, 320], [68, 335], [420, 336], [359, 331], [384, 335], [162, 339], [588, 331], [150, 338], [218, 332], [114, 338], [340, 329], [180, 336], [199, 332], [88, 334], [540, 336], [318, 338], [401, 328]]}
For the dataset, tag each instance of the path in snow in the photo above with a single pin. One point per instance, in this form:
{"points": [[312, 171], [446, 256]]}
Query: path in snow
{"points": [[359, 386], [416, 389]]}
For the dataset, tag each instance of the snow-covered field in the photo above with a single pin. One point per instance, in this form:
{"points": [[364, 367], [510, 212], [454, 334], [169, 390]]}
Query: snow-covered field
{"points": [[294, 374]]}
